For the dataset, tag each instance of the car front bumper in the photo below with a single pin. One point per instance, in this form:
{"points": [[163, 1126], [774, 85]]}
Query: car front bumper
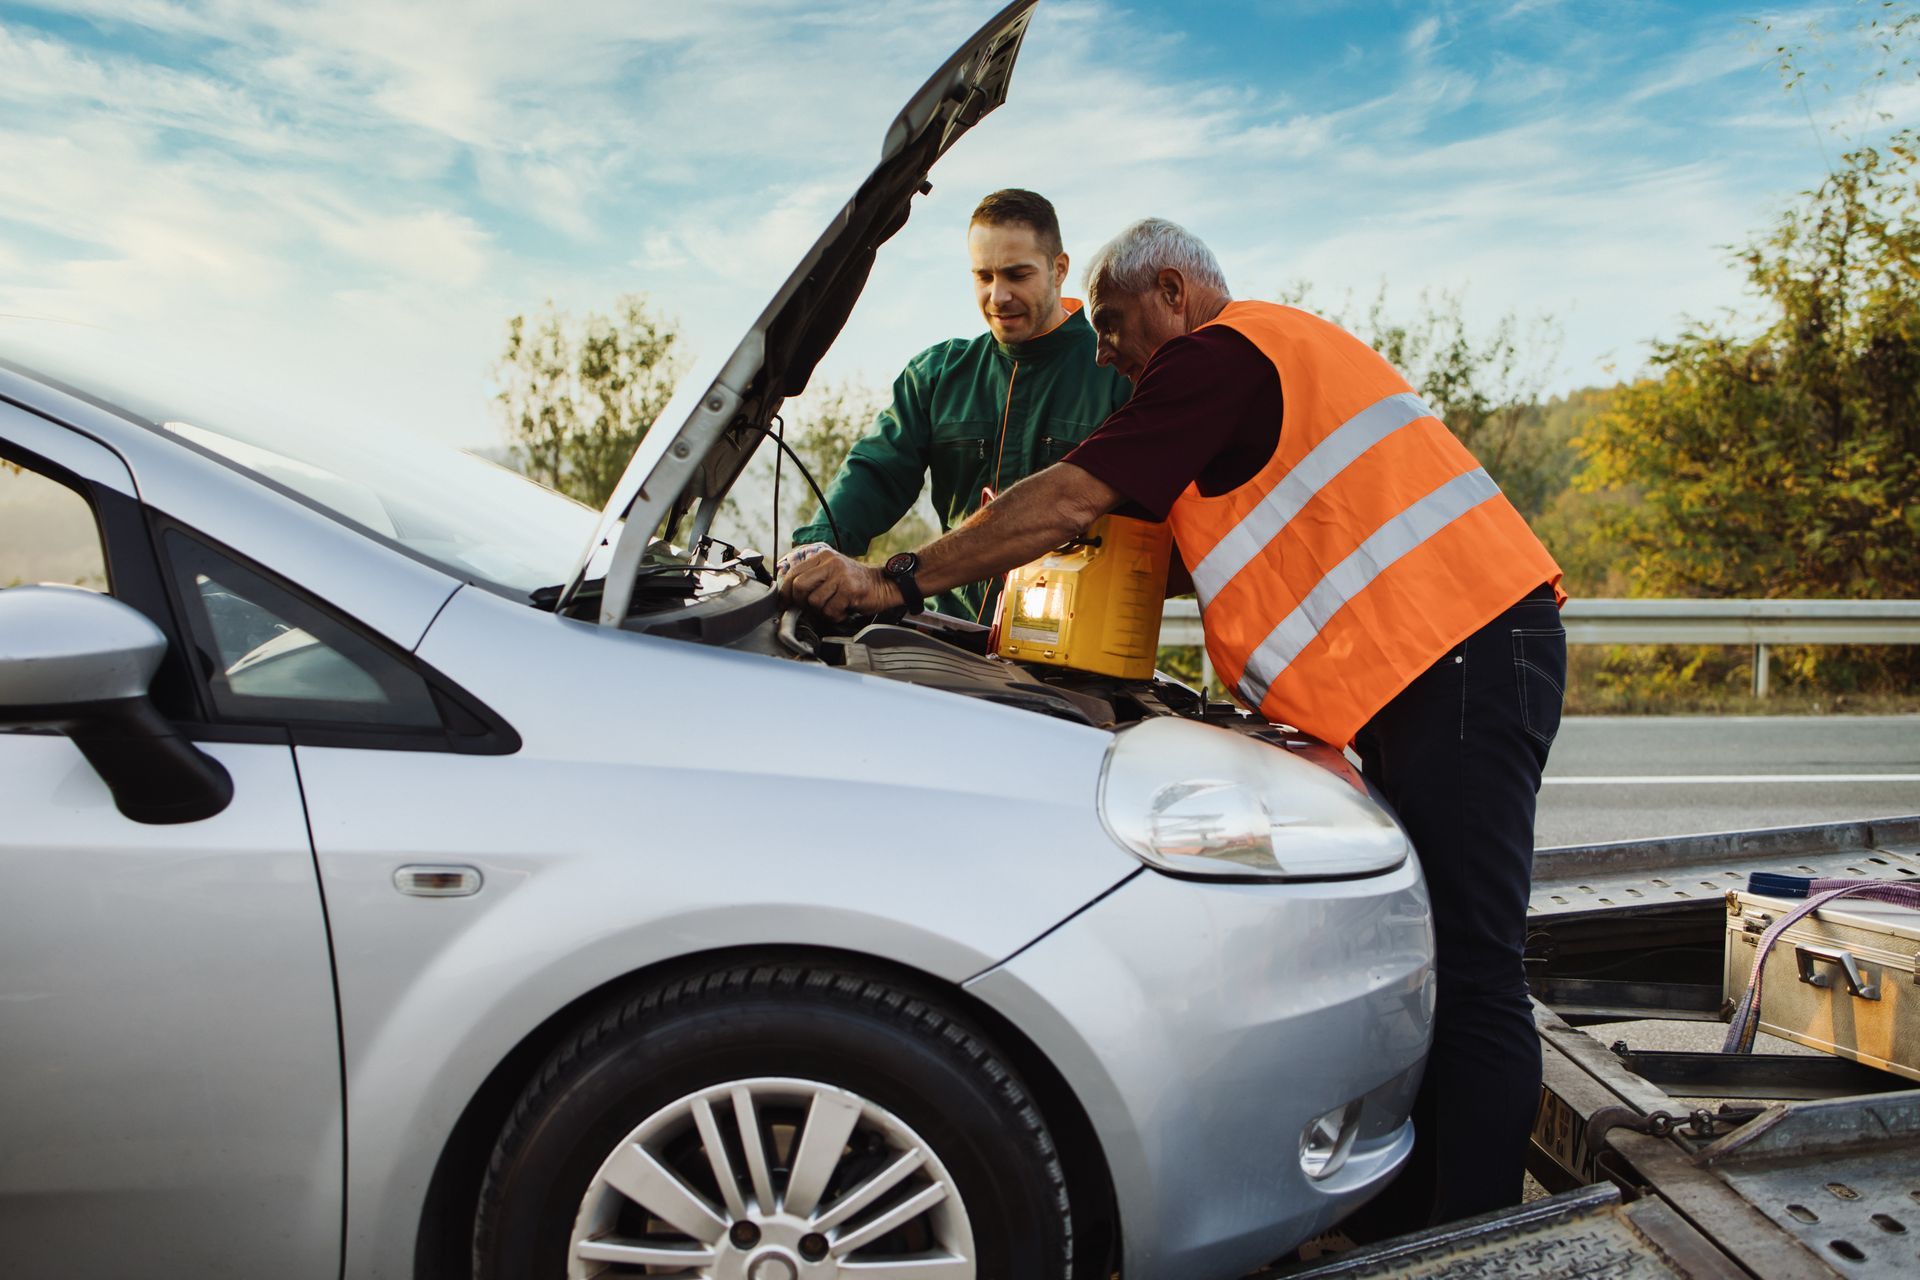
{"points": [[1204, 1026]]}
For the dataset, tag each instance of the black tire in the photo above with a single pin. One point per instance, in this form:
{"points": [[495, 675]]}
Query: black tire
{"points": [[895, 1046]]}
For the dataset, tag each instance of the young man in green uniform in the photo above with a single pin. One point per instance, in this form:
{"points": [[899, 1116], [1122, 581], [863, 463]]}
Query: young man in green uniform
{"points": [[980, 413]]}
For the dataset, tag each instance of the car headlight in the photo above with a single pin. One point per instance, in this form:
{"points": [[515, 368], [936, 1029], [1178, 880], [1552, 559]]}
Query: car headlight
{"points": [[1196, 800]]}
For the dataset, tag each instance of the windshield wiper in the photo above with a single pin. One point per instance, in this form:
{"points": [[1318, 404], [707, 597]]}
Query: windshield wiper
{"points": [[548, 598]]}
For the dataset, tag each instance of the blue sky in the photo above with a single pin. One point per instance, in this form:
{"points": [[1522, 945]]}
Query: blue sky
{"points": [[353, 196]]}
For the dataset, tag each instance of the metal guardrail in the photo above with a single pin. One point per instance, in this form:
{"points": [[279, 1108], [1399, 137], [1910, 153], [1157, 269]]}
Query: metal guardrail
{"points": [[1759, 623]]}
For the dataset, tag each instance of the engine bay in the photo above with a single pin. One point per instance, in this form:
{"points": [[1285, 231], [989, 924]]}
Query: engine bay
{"points": [[731, 602]]}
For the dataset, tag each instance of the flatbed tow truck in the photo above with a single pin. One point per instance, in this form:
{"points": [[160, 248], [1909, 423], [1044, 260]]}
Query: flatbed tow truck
{"points": [[1775, 1166]]}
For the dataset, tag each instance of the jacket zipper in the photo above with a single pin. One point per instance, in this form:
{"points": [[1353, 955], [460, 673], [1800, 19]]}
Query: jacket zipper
{"points": [[1006, 416], [1000, 455]]}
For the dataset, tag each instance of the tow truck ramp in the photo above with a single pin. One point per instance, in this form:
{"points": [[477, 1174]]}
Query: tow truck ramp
{"points": [[1765, 1166], [1589, 1232]]}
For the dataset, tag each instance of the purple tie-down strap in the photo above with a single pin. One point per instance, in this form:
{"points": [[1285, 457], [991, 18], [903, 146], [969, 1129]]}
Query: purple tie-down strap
{"points": [[1746, 1019]]}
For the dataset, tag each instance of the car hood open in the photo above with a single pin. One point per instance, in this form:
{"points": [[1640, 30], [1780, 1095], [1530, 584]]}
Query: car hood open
{"points": [[696, 450]]}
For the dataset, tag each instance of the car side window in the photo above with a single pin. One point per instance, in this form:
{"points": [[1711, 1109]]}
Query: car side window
{"points": [[48, 532], [268, 654]]}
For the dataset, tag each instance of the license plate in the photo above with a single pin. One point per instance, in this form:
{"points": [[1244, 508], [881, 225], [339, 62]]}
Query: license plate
{"points": [[1560, 1134]]}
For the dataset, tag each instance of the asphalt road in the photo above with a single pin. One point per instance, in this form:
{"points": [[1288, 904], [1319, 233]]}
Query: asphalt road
{"points": [[1625, 777]]}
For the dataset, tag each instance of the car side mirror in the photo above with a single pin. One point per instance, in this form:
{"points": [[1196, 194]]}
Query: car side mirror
{"points": [[80, 663]]}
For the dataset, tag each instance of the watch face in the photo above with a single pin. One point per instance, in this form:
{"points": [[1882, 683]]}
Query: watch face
{"points": [[902, 562]]}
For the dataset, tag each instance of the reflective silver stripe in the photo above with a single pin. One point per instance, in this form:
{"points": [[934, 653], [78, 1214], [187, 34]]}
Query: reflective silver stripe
{"points": [[1309, 476], [1356, 573]]}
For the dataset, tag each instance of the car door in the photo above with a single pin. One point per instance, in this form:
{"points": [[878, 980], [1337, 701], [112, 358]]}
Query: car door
{"points": [[169, 1047]]}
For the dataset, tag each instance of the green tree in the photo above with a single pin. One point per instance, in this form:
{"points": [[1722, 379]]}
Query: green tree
{"points": [[578, 396], [1572, 521], [1776, 459], [822, 436], [1787, 464]]}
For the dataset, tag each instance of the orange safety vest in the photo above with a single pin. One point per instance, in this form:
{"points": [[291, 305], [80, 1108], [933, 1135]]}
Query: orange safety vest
{"points": [[1369, 545]]}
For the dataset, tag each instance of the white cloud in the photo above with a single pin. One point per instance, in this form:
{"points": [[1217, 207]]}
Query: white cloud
{"points": [[1727, 55], [50, 76], [1897, 104], [559, 192], [376, 186], [152, 15], [432, 245], [1512, 81]]}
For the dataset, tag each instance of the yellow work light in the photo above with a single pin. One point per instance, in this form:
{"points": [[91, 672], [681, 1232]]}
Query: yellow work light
{"points": [[1094, 604]]}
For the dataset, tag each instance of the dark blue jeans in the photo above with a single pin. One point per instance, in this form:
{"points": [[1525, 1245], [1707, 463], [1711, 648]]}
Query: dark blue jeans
{"points": [[1458, 754]]}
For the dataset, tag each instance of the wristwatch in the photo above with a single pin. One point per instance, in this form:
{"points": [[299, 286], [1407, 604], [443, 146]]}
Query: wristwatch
{"points": [[901, 567]]}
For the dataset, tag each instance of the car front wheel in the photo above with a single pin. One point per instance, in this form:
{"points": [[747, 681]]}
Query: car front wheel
{"points": [[776, 1123]]}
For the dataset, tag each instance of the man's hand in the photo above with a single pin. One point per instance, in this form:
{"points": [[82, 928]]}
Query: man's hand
{"points": [[795, 556], [836, 585], [1028, 520]]}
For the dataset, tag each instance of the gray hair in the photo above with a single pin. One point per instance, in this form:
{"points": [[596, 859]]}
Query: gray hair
{"points": [[1133, 260]]}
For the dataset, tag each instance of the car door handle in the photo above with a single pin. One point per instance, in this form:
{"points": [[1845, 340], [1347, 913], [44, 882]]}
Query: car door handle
{"points": [[1806, 956]]}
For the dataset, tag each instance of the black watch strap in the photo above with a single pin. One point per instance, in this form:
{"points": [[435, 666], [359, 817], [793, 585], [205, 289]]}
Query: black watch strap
{"points": [[901, 569]]}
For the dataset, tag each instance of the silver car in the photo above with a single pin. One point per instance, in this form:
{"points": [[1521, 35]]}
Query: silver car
{"points": [[408, 872]]}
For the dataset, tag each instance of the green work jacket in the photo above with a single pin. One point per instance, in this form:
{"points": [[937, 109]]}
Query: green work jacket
{"points": [[974, 412]]}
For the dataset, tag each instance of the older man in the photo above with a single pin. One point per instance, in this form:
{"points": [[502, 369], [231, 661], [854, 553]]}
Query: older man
{"points": [[1360, 577], [979, 413]]}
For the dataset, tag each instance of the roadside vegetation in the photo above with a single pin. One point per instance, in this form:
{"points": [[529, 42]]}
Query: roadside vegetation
{"points": [[1781, 461], [1776, 457], [578, 394], [826, 424]]}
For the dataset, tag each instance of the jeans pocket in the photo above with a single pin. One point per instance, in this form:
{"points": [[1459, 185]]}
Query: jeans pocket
{"points": [[1540, 676]]}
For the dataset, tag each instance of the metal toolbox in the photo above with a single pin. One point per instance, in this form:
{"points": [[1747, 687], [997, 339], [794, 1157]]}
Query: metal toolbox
{"points": [[1842, 979]]}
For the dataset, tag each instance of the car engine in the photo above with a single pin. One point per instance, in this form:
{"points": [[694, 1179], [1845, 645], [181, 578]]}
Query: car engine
{"points": [[732, 603]]}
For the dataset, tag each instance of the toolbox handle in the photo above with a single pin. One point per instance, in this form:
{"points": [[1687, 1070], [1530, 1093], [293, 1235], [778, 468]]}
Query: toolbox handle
{"points": [[1805, 956]]}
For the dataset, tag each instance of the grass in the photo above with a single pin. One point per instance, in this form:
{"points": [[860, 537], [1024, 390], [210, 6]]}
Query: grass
{"points": [[1718, 680], [1629, 701]]}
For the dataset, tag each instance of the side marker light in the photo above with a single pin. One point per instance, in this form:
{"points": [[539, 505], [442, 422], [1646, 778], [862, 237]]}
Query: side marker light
{"points": [[437, 880]]}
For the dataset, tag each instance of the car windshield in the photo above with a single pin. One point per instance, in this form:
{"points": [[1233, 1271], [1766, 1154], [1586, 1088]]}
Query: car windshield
{"points": [[476, 519], [472, 517]]}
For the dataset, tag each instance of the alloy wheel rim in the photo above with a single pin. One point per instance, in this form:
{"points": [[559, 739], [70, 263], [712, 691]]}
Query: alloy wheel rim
{"points": [[772, 1178]]}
